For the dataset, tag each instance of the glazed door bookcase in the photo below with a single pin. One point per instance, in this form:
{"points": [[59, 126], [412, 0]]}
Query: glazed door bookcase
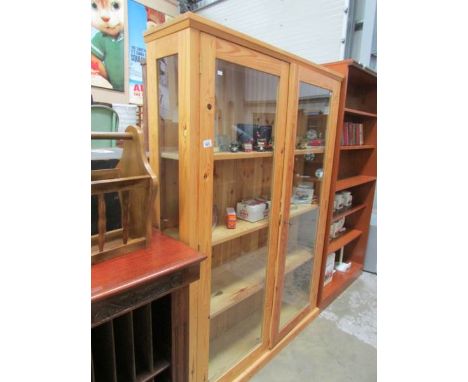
{"points": [[244, 95], [308, 162], [225, 114]]}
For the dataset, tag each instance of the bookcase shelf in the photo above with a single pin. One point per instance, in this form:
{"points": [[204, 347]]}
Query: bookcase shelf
{"points": [[340, 281], [242, 338], [358, 147], [242, 155], [354, 170], [348, 211], [174, 155], [238, 340], [314, 150], [300, 209], [222, 234], [343, 240], [235, 281], [353, 181], [360, 112]]}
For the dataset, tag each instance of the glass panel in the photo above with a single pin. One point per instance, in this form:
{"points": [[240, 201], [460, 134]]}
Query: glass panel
{"points": [[168, 109], [305, 199], [246, 109], [244, 130]]}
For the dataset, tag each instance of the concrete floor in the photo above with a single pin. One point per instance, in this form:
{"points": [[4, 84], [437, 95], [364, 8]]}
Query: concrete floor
{"points": [[338, 346]]}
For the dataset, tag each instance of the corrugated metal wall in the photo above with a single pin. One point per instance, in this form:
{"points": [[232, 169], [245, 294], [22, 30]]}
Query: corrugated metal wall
{"points": [[312, 29]]}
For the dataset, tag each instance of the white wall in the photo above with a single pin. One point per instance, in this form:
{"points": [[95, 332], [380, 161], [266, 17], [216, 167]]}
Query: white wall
{"points": [[312, 29]]}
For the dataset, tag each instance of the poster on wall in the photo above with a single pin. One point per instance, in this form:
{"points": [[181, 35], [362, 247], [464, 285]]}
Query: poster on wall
{"points": [[140, 18], [107, 44]]}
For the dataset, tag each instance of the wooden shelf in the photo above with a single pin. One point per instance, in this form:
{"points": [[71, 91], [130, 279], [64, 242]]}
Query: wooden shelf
{"points": [[234, 281], [360, 112], [242, 155], [300, 209], [174, 155], [340, 281], [348, 211], [234, 344], [343, 240], [314, 150], [342, 184], [222, 234], [358, 147]]}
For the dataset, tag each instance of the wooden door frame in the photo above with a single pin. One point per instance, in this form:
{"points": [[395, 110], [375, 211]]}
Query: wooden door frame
{"points": [[298, 74], [213, 48]]}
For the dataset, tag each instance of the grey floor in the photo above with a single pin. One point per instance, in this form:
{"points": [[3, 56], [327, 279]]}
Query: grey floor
{"points": [[340, 345]]}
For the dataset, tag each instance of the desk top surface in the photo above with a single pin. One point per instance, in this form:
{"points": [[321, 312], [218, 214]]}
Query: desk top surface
{"points": [[164, 256]]}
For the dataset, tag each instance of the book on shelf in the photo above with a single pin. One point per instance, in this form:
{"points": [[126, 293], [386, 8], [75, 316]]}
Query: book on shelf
{"points": [[353, 134]]}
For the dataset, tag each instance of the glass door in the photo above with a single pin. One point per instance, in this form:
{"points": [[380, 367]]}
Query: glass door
{"points": [[310, 146], [247, 130], [168, 139]]}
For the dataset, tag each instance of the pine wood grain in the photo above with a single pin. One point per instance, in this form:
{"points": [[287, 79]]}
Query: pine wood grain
{"points": [[234, 281]]}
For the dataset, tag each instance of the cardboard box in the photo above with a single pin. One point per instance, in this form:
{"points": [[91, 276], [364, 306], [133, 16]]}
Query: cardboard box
{"points": [[253, 210]]}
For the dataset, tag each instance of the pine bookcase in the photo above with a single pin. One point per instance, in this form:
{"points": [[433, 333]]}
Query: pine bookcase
{"points": [[210, 89]]}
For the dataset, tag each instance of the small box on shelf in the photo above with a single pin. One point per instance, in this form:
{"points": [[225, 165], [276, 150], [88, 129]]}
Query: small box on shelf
{"points": [[253, 210]]}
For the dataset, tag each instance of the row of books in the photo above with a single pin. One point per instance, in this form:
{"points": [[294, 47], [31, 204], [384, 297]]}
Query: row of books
{"points": [[353, 134]]}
